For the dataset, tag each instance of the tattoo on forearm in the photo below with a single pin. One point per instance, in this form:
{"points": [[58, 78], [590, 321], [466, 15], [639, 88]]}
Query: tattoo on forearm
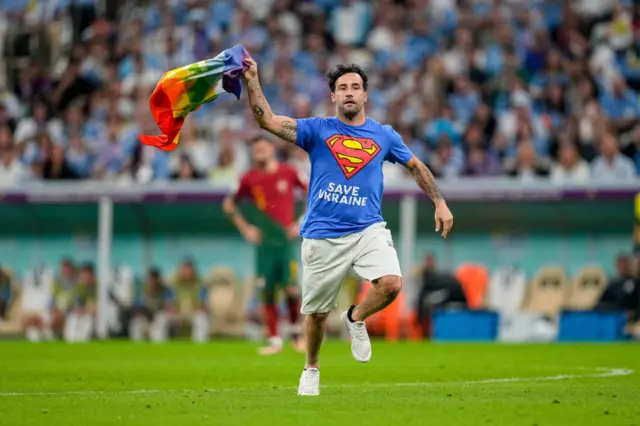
{"points": [[259, 105], [257, 111], [288, 130], [425, 180]]}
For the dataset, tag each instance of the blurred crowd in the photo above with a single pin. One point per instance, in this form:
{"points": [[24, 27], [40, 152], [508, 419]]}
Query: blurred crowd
{"points": [[189, 302], [537, 89]]}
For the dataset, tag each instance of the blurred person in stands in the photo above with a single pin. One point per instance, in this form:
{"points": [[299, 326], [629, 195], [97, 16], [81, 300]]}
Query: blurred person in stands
{"points": [[271, 226], [56, 167], [623, 290], [479, 161], [80, 320], [6, 293], [149, 308], [39, 120], [438, 290], [12, 171], [78, 157], [621, 105], [187, 305], [447, 161], [528, 167], [186, 170], [64, 292], [570, 167], [611, 165], [225, 171], [112, 157]]}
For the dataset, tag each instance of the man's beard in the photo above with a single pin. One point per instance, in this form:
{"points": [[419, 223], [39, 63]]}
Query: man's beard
{"points": [[350, 114]]}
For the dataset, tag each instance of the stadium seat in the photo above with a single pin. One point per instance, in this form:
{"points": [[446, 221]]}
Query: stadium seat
{"points": [[547, 291], [591, 326], [225, 303], [586, 289], [474, 279], [507, 288], [465, 325]]}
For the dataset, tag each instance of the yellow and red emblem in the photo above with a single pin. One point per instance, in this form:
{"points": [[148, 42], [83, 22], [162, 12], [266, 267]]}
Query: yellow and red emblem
{"points": [[351, 153]]}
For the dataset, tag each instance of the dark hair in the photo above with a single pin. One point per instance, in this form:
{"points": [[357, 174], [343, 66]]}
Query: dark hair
{"points": [[341, 70]]}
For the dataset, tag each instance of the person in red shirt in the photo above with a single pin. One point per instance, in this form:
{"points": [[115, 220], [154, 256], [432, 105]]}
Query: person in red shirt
{"points": [[270, 224]]}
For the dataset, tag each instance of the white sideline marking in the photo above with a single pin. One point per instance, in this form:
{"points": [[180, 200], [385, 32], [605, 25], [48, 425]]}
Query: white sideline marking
{"points": [[602, 372]]}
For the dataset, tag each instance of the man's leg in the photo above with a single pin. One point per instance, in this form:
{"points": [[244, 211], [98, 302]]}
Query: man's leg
{"points": [[377, 262], [314, 334], [267, 280], [380, 295], [289, 279], [325, 264], [274, 343]]}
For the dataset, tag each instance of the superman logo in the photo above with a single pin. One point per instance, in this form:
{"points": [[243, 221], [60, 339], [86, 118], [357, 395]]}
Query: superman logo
{"points": [[352, 154]]}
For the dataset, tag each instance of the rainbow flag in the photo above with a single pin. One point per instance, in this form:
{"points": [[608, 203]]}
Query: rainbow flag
{"points": [[184, 90]]}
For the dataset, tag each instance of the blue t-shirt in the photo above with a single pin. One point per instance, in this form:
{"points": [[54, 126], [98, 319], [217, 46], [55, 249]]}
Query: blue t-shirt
{"points": [[345, 188]]}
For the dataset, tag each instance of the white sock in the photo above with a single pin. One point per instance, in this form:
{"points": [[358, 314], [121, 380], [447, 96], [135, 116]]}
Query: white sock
{"points": [[85, 328], [138, 328], [200, 327], [275, 341], [32, 334], [71, 328], [159, 328]]}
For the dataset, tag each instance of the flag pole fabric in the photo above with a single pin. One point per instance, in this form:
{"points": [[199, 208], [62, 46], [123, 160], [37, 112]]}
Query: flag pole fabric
{"points": [[185, 89]]}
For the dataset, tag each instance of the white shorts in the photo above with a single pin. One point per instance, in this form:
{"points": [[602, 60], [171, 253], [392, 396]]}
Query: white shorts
{"points": [[369, 254]]}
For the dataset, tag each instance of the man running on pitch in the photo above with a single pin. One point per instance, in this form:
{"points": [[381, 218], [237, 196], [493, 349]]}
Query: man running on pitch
{"points": [[343, 228], [272, 227]]}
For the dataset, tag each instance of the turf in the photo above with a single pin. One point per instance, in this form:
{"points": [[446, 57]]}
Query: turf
{"points": [[227, 383]]}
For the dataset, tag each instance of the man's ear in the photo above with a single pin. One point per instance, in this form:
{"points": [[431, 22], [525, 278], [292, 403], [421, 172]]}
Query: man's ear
{"points": [[366, 97], [333, 97]]}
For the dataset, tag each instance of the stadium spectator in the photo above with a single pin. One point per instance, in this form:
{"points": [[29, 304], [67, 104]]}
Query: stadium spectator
{"points": [[570, 167], [448, 160], [611, 164], [65, 287], [149, 310], [438, 290], [12, 171], [6, 293], [534, 74], [56, 167], [80, 321], [527, 166], [623, 290], [187, 305]]}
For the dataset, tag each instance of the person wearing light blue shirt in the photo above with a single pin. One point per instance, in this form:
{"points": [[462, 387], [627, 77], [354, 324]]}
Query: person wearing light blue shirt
{"points": [[610, 165]]}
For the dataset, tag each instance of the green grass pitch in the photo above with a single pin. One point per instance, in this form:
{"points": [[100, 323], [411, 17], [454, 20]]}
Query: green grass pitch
{"points": [[227, 383]]}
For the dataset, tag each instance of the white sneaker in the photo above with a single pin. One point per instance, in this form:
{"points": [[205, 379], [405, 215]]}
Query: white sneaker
{"points": [[309, 382], [360, 343]]}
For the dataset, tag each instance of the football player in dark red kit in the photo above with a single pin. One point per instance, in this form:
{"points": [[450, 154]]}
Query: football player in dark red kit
{"points": [[270, 223]]}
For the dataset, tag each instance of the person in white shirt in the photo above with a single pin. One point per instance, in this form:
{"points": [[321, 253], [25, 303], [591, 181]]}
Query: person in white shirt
{"points": [[570, 167], [11, 169], [610, 164]]}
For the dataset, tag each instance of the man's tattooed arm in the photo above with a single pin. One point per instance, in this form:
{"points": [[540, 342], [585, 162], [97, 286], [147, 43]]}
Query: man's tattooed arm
{"points": [[281, 126], [424, 178]]}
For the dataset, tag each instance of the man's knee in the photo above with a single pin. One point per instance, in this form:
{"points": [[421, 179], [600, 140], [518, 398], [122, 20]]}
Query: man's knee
{"points": [[269, 297], [317, 317], [389, 285]]}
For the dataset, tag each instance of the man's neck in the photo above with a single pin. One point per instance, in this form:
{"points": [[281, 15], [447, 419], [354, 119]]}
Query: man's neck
{"points": [[358, 120], [269, 167]]}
